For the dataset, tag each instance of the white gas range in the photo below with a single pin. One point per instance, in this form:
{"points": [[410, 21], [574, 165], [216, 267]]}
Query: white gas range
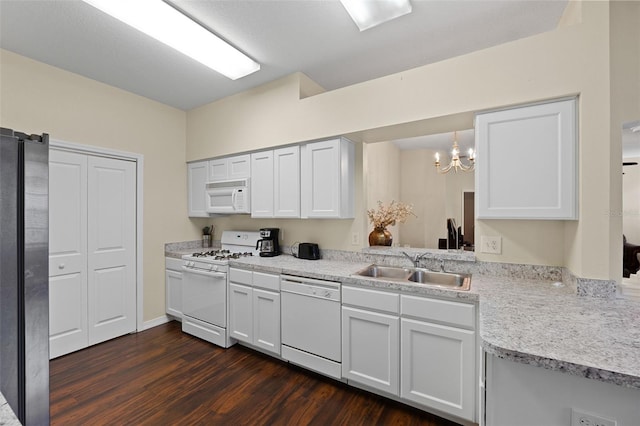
{"points": [[205, 286]]}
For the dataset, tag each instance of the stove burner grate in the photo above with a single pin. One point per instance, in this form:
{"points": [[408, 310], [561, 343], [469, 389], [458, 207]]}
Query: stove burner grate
{"points": [[222, 254]]}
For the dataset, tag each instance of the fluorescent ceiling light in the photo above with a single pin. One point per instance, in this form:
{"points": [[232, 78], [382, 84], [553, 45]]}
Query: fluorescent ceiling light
{"points": [[369, 13], [164, 23]]}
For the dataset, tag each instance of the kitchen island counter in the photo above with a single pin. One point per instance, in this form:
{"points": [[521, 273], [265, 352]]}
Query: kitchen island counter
{"points": [[535, 322], [7, 416]]}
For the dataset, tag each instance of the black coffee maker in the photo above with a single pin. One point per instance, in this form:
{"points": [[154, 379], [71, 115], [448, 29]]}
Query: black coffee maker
{"points": [[268, 242]]}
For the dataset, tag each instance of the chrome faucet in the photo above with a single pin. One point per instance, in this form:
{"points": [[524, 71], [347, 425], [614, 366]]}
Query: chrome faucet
{"points": [[416, 259], [413, 260]]}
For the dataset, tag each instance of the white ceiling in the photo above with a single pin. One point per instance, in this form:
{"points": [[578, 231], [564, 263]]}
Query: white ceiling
{"points": [[316, 37]]}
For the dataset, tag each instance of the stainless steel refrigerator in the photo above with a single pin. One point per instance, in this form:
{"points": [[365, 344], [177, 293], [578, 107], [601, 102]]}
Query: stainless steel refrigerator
{"points": [[24, 274]]}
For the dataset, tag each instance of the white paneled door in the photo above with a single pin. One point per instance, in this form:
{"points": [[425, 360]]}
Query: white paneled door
{"points": [[111, 247], [67, 252], [92, 254]]}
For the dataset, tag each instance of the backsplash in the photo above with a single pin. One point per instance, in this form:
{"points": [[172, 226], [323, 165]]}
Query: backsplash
{"points": [[454, 261]]}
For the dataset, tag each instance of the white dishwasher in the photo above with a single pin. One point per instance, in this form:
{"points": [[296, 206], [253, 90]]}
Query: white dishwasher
{"points": [[311, 330]]}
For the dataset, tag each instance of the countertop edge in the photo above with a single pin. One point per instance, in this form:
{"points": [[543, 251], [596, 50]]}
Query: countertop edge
{"points": [[590, 372]]}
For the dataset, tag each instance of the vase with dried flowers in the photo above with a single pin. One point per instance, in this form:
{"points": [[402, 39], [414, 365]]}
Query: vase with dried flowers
{"points": [[387, 215]]}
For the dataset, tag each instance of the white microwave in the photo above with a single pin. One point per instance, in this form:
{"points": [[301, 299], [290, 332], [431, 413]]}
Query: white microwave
{"points": [[228, 196]]}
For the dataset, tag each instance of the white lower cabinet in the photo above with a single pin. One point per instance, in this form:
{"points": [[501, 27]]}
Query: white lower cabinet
{"points": [[173, 287], [254, 308], [370, 348], [438, 354], [437, 367], [421, 349]]}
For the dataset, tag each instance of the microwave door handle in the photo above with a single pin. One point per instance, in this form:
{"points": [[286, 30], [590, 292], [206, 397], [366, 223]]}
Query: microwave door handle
{"points": [[234, 195]]}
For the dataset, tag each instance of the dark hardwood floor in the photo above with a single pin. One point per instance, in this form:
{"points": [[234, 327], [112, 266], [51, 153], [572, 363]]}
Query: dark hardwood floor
{"points": [[164, 377]]}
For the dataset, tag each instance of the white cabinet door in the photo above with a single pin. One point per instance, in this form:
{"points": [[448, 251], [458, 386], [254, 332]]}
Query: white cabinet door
{"points": [[67, 252], [437, 367], [527, 162], [196, 181], [239, 167], [111, 247], [228, 168], [173, 283], [262, 184], [218, 169], [286, 173], [241, 312], [327, 185], [370, 349], [266, 320]]}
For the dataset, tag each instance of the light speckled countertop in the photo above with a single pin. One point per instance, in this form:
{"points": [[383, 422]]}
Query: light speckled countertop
{"points": [[524, 320], [7, 417]]}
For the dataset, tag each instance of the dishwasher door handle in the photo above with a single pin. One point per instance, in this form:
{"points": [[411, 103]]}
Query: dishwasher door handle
{"points": [[305, 290]]}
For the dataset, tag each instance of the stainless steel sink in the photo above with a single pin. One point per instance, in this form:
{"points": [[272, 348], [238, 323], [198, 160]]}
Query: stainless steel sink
{"points": [[441, 279], [420, 276], [392, 272]]}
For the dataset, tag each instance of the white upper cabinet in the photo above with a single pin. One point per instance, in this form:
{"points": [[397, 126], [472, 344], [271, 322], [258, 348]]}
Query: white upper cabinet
{"points": [[327, 179], [275, 185], [286, 180], [527, 162], [228, 168], [262, 184], [197, 176]]}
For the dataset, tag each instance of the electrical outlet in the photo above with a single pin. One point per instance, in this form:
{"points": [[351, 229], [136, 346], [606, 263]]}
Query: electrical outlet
{"points": [[491, 245], [582, 418], [355, 239]]}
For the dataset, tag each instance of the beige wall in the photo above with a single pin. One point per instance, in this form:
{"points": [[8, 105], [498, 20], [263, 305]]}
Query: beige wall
{"points": [[382, 165], [37, 98], [573, 59], [625, 107], [424, 188]]}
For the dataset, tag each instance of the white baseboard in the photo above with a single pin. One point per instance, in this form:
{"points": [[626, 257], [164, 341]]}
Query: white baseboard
{"points": [[156, 322]]}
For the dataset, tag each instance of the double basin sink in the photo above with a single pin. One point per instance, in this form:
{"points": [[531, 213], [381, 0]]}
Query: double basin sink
{"points": [[452, 280]]}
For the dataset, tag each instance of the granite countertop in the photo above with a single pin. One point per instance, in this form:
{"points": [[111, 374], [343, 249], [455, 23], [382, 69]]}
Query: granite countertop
{"points": [[7, 417], [532, 321]]}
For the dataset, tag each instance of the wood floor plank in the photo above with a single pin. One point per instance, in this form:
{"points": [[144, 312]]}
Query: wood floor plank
{"points": [[164, 377]]}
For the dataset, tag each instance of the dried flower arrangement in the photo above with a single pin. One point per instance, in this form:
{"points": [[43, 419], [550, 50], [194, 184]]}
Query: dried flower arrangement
{"points": [[388, 215]]}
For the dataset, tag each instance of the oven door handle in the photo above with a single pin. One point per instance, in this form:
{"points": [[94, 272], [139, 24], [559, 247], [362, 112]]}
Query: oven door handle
{"points": [[205, 273]]}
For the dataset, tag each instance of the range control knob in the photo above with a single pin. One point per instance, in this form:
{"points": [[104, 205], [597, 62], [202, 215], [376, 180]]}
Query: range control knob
{"points": [[327, 293]]}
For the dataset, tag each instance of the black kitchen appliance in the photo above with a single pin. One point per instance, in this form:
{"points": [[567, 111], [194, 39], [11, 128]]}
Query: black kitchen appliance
{"points": [[24, 281], [309, 251], [268, 242]]}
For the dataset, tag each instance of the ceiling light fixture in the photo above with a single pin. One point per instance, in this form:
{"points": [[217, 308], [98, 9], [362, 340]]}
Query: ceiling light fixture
{"points": [[369, 13], [456, 164], [166, 24]]}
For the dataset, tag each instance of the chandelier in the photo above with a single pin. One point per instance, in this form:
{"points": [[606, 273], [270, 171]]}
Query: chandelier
{"points": [[456, 164]]}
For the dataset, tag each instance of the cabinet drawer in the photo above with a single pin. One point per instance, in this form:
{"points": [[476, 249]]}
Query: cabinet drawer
{"points": [[173, 264], [240, 276], [268, 281], [372, 299], [443, 311]]}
